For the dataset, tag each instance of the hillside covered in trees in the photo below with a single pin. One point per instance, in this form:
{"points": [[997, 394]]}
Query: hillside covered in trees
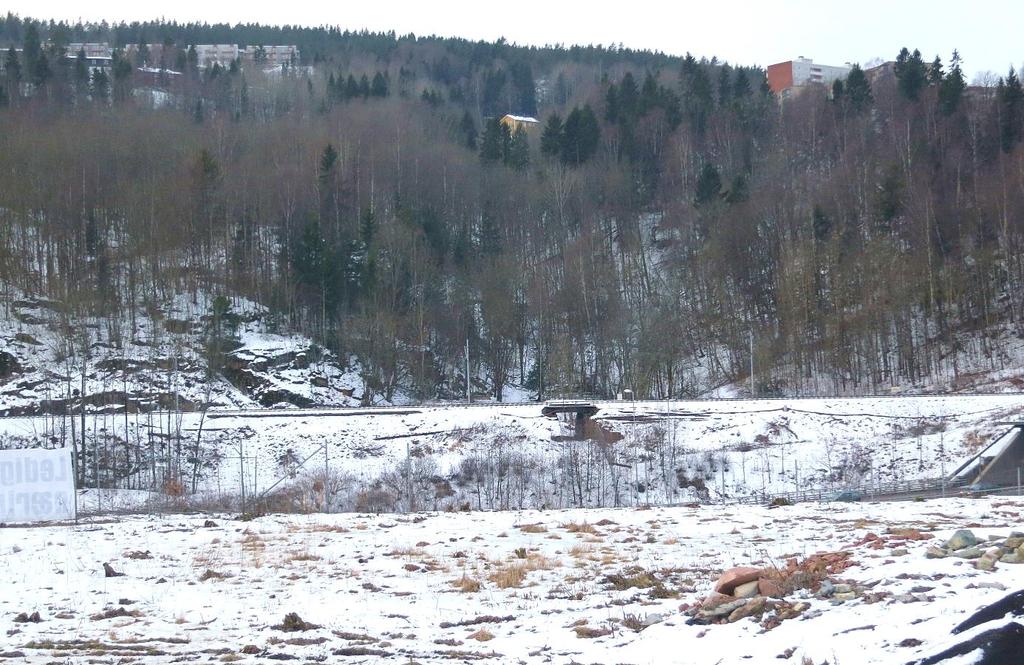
{"points": [[666, 218]]}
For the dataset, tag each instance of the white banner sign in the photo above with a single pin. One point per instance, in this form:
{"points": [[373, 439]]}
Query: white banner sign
{"points": [[36, 485]]}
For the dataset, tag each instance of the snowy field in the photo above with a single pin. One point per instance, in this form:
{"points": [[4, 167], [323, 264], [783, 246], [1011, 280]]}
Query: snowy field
{"points": [[509, 456], [606, 585]]}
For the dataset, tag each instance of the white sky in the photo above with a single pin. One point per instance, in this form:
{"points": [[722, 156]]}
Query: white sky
{"points": [[987, 32]]}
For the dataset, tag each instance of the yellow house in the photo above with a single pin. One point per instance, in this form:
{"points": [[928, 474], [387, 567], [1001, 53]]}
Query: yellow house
{"points": [[514, 122]]}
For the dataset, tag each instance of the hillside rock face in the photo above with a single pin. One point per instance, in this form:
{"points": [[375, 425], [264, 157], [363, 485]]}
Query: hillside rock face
{"points": [[166, 356]]}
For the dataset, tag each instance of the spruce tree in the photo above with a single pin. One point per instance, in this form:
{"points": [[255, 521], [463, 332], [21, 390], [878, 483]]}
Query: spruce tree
{"points": [[519, 152], [490, 142], [629, 97], [1010, 98], [12, 66], [611, 104], [911, 73], [468, 129], [709, 185], [648, 94], [379, 88], [741, 85], [857, 90], [351, 87], [100, 85], [81, 70], [551, 138], [952, 88], [935, 73]]}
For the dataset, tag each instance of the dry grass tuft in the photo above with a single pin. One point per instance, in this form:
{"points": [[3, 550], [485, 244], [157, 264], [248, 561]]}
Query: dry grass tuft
{"points": [[467, 584], [482, 635], [579, 527], [588, 633], [509, 577], [532, 528]]}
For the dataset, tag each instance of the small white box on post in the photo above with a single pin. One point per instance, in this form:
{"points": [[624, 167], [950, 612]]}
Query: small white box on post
{"points": [[36, 485]]}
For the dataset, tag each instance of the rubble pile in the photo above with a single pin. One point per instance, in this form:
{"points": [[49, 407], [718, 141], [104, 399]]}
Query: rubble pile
{"points": [[984, 554], [761, 592]]}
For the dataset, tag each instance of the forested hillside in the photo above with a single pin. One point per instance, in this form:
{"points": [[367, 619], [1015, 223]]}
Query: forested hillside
{"points": [[666, 218]]}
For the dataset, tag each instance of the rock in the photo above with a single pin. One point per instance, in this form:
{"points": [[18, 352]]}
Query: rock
{"points": [[734, 577], [961, 539], [755, 607], [826, 589], [725, 609], [1013, 542], [28, 618], [293, 623], [985, 563], [843, 588], [748, 590], [900, 551], [771, 588], [652, 619], [845, 595], [209, 524], [935, 553], [968, 553], [714, 599], [108, 571], [1012, 557]]}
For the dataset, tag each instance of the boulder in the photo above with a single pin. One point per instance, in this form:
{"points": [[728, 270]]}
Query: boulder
{"points": [[771, 588], [734, 577], [935, 553], [755, 607], [714, 599], [968, 553], [961, 539], [748, 590]]}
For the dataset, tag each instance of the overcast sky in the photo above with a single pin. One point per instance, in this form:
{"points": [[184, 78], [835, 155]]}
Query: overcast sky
{"points": [[986, 32]]}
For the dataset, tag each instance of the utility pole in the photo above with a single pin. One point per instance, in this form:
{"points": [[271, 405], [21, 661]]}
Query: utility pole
{"points": [[752, 392], [327, 476]]}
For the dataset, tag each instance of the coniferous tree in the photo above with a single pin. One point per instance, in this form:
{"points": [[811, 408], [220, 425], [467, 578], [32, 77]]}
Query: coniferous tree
{"points": [[648, 94], [351, 87], [468, 129], [519, 151], [491, 142], [611, 104], [100, 85], [741, 85], [12, 71], [364, 87], [935, 73], [709, 185], [551, 139], [857, 89], [580, 136], [821, 225], [1010, 97], [911, 73], [81, 70], [838, 89], [952, 88], [379, 88]]}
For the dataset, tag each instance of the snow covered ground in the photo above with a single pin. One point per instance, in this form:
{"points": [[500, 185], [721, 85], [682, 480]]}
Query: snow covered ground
{"points": [[605, 585], [510, 456]]}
